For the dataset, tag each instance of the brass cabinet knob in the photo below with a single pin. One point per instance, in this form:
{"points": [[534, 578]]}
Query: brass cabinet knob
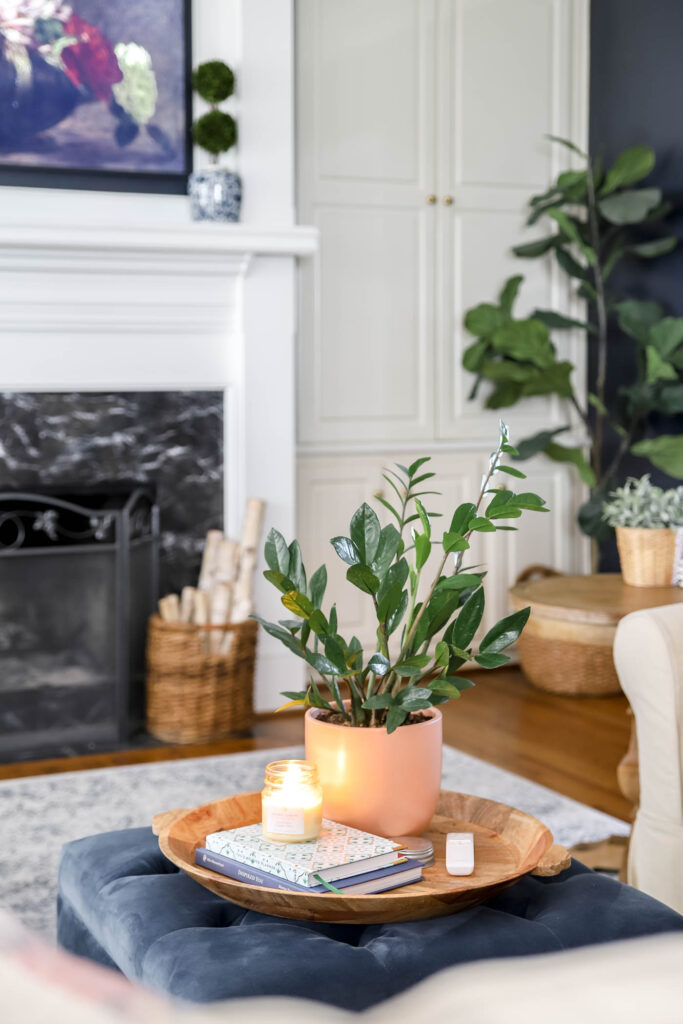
{"points": [[431, 199], [448, 200]]}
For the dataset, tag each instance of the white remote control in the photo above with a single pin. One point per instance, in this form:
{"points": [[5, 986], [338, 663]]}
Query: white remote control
{"points": [[460, 853]]}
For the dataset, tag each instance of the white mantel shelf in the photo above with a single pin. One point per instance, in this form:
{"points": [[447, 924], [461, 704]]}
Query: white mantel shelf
{"points": [[202, 237]]}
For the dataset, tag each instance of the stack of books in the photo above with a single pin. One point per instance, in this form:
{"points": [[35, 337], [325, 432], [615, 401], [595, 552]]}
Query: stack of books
{"points": [[341, 859]]}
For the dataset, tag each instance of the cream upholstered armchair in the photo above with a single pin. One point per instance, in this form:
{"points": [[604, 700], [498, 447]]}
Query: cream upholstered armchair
{"points": [[648, 653]]}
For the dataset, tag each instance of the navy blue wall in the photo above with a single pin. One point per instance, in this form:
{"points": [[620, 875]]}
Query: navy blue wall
{"points": [[637, 97]]}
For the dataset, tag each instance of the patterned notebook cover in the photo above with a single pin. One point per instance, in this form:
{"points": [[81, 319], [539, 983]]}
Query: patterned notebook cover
{"points": [[336, 847]]}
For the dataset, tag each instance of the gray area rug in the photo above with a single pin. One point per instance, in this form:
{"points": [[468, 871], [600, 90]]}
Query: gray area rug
{"points": [[39, 814]]}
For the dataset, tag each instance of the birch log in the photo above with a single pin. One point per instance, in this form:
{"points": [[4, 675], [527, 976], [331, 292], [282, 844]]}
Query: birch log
{"points": [[169, 608], [209, 559]]}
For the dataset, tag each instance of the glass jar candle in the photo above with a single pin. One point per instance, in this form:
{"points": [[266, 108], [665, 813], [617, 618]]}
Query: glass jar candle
{"points": [[291, 802]]}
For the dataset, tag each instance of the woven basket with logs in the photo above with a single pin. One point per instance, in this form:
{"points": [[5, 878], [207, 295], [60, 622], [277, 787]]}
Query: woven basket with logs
{"points": [[201, 647]]}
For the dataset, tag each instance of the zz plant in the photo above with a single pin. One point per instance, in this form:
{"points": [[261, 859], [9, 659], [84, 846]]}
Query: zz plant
{"points": [[596, 219], [421, 642]]}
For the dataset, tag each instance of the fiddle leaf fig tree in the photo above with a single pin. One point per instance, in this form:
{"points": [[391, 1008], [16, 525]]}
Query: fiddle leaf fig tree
{"points": [[424, 633], [594, 219]]}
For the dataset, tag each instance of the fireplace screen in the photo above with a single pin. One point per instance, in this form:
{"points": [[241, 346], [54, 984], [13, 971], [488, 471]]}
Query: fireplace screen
{"points": [[78, 579]]}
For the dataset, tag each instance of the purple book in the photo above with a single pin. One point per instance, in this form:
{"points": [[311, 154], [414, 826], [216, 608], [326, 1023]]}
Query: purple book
{"points": [[404, 872]]}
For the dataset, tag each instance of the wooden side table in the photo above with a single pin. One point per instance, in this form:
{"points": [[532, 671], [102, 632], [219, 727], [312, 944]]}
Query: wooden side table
{"points": [[566, 646]]}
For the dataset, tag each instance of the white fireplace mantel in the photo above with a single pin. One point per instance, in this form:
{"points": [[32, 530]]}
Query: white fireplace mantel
{"points": [[190, 307]]}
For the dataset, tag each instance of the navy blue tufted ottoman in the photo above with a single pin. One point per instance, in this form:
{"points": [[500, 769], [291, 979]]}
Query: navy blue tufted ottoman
{"points": [[121, 903]]}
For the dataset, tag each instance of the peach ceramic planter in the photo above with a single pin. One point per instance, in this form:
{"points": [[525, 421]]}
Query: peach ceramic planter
{"points": [[386, 784]]}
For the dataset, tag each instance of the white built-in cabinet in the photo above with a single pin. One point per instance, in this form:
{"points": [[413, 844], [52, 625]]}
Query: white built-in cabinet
{"points": [[421, 131]]}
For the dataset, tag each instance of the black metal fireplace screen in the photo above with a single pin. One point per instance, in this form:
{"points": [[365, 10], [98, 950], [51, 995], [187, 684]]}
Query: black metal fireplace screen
{"points": [[78, 579]]}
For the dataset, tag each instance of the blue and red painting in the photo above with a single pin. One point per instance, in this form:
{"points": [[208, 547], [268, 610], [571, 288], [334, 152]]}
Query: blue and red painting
{"points": [[94, 86]]}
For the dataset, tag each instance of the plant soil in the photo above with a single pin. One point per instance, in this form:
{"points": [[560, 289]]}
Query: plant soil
{"points": [[335, 718]]}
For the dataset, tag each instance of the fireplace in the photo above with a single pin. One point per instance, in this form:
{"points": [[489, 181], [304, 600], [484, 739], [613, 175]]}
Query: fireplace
{"points": [[78, 579], [106, 501]]}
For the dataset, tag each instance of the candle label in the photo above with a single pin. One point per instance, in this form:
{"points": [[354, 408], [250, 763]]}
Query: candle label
{"points": [[284, 821]]}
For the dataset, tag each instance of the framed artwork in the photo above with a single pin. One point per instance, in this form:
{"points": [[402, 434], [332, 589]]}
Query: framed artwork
{"points": [[95, 94]]}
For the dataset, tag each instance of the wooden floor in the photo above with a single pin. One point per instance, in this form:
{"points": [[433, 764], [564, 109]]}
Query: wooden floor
{"points": [[570, 744]]}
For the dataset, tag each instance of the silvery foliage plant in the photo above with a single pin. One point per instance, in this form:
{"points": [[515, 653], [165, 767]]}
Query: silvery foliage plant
{"points": [[639, 503]]}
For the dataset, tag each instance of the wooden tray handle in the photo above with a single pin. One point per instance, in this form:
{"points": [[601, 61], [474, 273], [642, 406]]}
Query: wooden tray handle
{"points": [[536, 571], [166, 818], [554, 860]]}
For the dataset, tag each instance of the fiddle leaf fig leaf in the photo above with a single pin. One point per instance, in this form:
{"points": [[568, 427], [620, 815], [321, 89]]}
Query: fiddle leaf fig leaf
{"points": [[664, 452], [630, 206], [484, 319], [631, 166]]}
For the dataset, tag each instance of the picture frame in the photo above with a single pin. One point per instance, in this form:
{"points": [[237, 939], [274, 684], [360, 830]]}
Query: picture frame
{"points": [[119, 73]]}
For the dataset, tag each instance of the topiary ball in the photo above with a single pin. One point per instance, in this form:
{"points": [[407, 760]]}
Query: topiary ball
{"points": [[215, 132], [214, 81]]}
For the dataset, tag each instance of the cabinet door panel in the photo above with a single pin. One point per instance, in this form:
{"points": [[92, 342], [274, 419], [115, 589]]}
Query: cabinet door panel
{"points": [[366, 167]]}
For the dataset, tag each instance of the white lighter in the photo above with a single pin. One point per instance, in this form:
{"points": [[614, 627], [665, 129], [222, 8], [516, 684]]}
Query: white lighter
{"points": [[460, 853]]}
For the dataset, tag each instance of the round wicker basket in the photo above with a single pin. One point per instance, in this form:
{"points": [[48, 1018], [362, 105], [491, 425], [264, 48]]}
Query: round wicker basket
{"points": [[193, 696], [646, 556], [566, 646]]}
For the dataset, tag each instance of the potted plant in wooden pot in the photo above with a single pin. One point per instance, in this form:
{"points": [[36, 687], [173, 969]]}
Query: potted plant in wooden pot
{"points": [[215, 193], [646, 519], [373, 724]]}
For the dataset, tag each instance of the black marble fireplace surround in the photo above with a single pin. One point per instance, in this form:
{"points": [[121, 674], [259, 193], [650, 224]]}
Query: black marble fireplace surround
{"points": [[170, 441]]}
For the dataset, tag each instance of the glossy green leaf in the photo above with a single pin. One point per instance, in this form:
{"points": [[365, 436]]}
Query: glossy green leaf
{"points": [[363, 577], [525, 340], [414, 698], [631, 166], [658, 368], [322, 664], [509, 294], [378, 701], [461, 518], [276, 552], [657, 247], [562, 453], [665, 452], [531, 250], [637, 318], [555, 321], [630, 206], [667, 335], [297, 603], [379, 664], [296, 567], [505, 632], [387, 548], [317, 586], [346, 550], [390, 601], [531, 446], [365, 533], [283, 635], [334, 652], [511, 472], [442, 653], [395, 618], [467, 623], [444, 687], [389, 507], [459, 581], [481, 525], [417, 464], [396, 716], [490, 660], [396, 575], [454, 542], [423, 548], [484, 319], [318, 623], [279, 580]]}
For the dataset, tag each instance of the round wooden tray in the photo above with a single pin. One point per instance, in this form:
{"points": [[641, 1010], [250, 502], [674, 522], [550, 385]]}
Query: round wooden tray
{"points": [[507, 844]]}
